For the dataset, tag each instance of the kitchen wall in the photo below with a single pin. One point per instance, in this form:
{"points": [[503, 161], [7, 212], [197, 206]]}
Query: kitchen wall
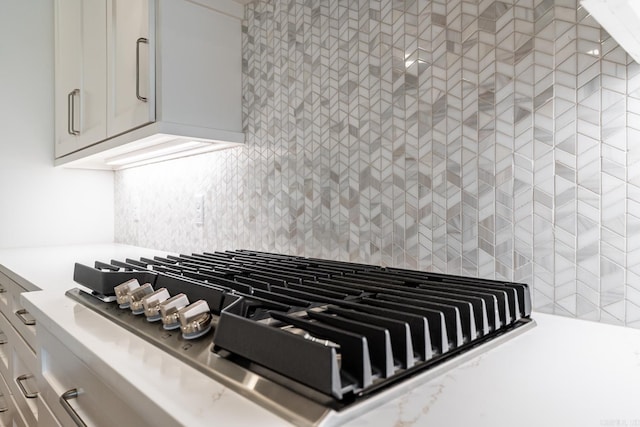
{"points": [[490, 138], [40, 205]]}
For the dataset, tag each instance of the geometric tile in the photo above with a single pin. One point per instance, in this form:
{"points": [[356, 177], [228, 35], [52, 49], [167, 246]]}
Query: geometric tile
{"points": [[492, 138]]}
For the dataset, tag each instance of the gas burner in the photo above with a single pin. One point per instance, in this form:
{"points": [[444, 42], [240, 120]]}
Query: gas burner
{"points": [[327, 334]]}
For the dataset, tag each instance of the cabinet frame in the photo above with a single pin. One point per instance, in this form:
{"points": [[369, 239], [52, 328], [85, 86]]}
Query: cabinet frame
{"points": [[194, 88]]}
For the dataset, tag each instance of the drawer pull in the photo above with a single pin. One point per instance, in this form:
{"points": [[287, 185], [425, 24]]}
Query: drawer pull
{"points": [[24, 391], [21, 315], [64, 401], [2, 290]]}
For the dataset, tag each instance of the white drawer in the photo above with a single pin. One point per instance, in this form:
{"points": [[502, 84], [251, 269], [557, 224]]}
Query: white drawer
{"points": [[23, 385], [21, 372], [4, 293], [46, 418], [5, 346], [7, 405], [10, 306], [19, 421], [95, 402]]}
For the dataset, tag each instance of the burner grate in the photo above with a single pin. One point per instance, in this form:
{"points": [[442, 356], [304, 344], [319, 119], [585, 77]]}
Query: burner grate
{"points": [[342, 329]]}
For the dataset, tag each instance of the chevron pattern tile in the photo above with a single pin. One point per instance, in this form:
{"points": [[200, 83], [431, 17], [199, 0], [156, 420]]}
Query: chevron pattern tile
{"points": [[586, 146], [613, 245], [492, 138], [632, 288], [523, 141], [564, 115]]}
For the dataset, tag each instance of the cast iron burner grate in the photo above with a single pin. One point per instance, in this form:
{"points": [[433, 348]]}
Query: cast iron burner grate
{"points": [[334, 331]]}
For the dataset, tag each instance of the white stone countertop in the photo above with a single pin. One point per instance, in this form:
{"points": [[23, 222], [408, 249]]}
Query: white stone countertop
{"points": [[51, 267], [562, 372]]}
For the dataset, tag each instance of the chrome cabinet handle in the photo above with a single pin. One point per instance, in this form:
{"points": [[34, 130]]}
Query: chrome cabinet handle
{"points": [[69, 118], [138, 42], [24, 391], [20, 313], [71, 112], [64, 401]]}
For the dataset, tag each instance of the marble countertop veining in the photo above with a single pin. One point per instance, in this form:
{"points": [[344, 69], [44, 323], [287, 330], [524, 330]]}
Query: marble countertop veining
{"points": [[166, 390], [562, 372]]}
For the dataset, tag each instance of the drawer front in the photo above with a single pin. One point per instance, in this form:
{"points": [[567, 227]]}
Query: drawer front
{"points": [[7, 405], [19, 421], [46, 418], [21, 372], [4, 295], [94, 403], [23, 385], [5, 345], [10, 306]]}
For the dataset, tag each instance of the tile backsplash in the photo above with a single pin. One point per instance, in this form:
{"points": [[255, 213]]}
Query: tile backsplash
{"points": [[484, 138]]}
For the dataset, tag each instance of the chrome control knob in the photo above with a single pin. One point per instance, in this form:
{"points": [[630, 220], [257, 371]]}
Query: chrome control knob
{"points": [[137, 295], [169, 311], [151, 304], [124, 290], [195, 320]]}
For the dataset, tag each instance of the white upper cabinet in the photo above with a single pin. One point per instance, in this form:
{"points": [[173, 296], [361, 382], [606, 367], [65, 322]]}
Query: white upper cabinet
{"points": [[132, 75], [131, 98], [81, 78]]}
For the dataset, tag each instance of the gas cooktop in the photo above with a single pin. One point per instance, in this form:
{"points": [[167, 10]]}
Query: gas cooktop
{"points": [[313, 340]]}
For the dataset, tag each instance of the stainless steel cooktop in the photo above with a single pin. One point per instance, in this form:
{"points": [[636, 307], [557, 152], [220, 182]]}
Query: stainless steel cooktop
{"points": [[314, 341]]}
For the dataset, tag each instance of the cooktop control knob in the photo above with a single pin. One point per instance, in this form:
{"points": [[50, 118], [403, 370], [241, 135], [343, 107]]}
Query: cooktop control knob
{"points": [[124, 290], [195, 320], [151, 304], [136, 296], [169, 311]]}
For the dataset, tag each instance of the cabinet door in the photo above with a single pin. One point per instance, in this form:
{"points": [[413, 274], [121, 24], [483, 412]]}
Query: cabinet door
{"points": [[131, 94], [68, 69], [93, 96], [81, 78]]}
